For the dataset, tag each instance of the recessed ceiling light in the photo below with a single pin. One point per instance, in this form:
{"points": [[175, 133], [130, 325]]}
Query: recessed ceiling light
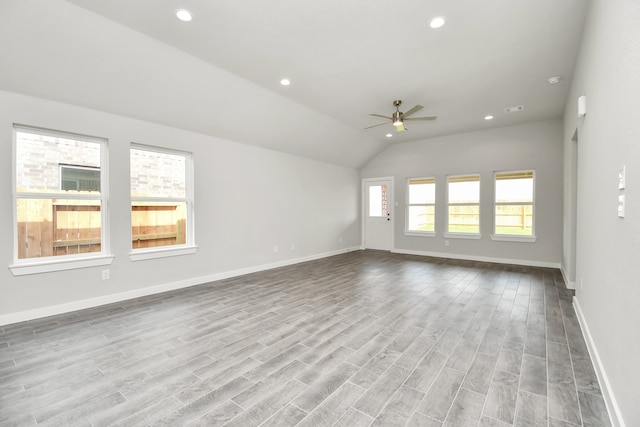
{"points": [[554, 80], [488, 117], [389, 135], [184, 15], [285, 82], [437, 22]]}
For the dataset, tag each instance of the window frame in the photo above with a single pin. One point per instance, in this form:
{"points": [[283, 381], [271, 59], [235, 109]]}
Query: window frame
{"points": [[26, 266], [408, 205], [190, 246], [512, 237], [464, 235]]}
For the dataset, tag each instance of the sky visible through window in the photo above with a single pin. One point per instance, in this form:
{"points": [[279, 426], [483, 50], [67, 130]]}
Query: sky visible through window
{"points": [[422, 193], [514, 190]]}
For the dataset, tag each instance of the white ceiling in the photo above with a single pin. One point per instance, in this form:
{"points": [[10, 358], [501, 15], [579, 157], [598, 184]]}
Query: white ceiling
{"points": [[345, 59]]}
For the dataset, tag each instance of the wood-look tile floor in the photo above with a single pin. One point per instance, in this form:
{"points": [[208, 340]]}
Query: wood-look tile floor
{"points": [[364, 338]]}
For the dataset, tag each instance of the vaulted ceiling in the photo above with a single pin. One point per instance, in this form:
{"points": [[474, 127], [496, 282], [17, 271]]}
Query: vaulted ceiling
{"points": [[219, 74]]}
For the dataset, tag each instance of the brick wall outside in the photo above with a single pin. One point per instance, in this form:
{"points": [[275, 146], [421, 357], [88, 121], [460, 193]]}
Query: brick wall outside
{"points": [[157, 174], [39, 159]]}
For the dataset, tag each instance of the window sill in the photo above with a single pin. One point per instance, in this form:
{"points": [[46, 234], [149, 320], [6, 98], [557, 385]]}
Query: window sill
{"points": [[505, 238], [420, 233], [463, 236], [22, 269], [143, 254]]}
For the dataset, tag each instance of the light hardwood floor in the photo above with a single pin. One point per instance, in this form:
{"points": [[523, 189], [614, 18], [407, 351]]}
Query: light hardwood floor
{"points": [[365, 338]]}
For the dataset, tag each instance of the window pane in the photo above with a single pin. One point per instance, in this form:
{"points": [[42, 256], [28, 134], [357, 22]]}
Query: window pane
{"points": [[54, 227], [422, 193], [514, 220], [514, 190], [421, 218], [464, 191], [377, 200], [40, 161], [158, 224], [156, 174], [79, 178], [464, 219]]}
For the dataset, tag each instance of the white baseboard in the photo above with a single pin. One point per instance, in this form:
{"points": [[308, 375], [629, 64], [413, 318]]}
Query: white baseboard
{"points": [[612, 404], [528, 263], [567, 282], [38, 313]]}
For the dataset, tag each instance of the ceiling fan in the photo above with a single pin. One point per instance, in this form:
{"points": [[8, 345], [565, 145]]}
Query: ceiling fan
{"points": [[398, 117]]}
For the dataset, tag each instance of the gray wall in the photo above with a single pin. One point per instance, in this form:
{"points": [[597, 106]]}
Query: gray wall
{"points": [[535, 146], [608, 248], [248, 200]]}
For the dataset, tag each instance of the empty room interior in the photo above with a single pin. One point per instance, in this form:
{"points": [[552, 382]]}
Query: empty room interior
{"points": [[329, 213]]}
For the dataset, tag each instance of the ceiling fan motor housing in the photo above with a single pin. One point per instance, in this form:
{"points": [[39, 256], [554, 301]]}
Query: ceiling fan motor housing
{"points": [[397, 118]]}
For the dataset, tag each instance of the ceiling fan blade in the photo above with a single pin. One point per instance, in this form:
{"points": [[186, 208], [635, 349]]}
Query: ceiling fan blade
{"points": [[400, 127], [422, 118], [379, 124], [413, 110], [381, 116]]}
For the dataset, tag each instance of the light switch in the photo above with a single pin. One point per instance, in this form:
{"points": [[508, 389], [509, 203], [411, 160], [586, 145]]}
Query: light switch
{"points": [[621, 177], [621, 206]]}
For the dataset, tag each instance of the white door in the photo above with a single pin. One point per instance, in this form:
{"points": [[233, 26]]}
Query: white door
{"points": [[378, 224]]}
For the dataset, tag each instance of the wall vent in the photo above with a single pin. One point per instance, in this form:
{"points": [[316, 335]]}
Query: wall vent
{"points": [[514, 109]]}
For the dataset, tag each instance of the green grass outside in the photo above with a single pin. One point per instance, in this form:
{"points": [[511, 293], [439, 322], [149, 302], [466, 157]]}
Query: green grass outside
{"points": [[508, 231], [514, 231], [464, 229]]}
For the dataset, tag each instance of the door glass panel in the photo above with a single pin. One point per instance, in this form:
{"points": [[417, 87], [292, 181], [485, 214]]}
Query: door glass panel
{"points": [[377, 200]]}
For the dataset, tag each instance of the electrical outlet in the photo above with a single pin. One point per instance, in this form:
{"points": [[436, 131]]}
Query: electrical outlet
{"points": [[340, 239], [446, 243], [293, 247], [275, 249], [106, 274]]}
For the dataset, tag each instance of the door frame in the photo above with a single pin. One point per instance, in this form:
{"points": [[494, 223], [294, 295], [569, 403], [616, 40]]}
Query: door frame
{"points": [[391, 206]]}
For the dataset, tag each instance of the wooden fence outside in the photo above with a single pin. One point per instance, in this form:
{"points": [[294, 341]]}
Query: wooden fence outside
{"points": [[51, 228]]}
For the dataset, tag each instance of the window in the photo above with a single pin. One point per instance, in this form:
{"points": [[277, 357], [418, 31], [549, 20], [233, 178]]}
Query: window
{"points": [[59, 198], [161, 202], [514, 204], [463, 205], [421, 199]]}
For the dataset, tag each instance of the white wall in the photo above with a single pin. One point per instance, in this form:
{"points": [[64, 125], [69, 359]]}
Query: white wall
{"points": [[248, 200], [536, 146], [608, 247]]}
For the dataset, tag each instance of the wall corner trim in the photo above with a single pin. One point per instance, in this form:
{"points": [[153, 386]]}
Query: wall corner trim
{"points": [[570, 285], [612, 404], [38, 313]]}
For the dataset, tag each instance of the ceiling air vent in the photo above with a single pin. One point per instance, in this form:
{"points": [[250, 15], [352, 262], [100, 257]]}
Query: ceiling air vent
{"points": [[514, 109]]}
